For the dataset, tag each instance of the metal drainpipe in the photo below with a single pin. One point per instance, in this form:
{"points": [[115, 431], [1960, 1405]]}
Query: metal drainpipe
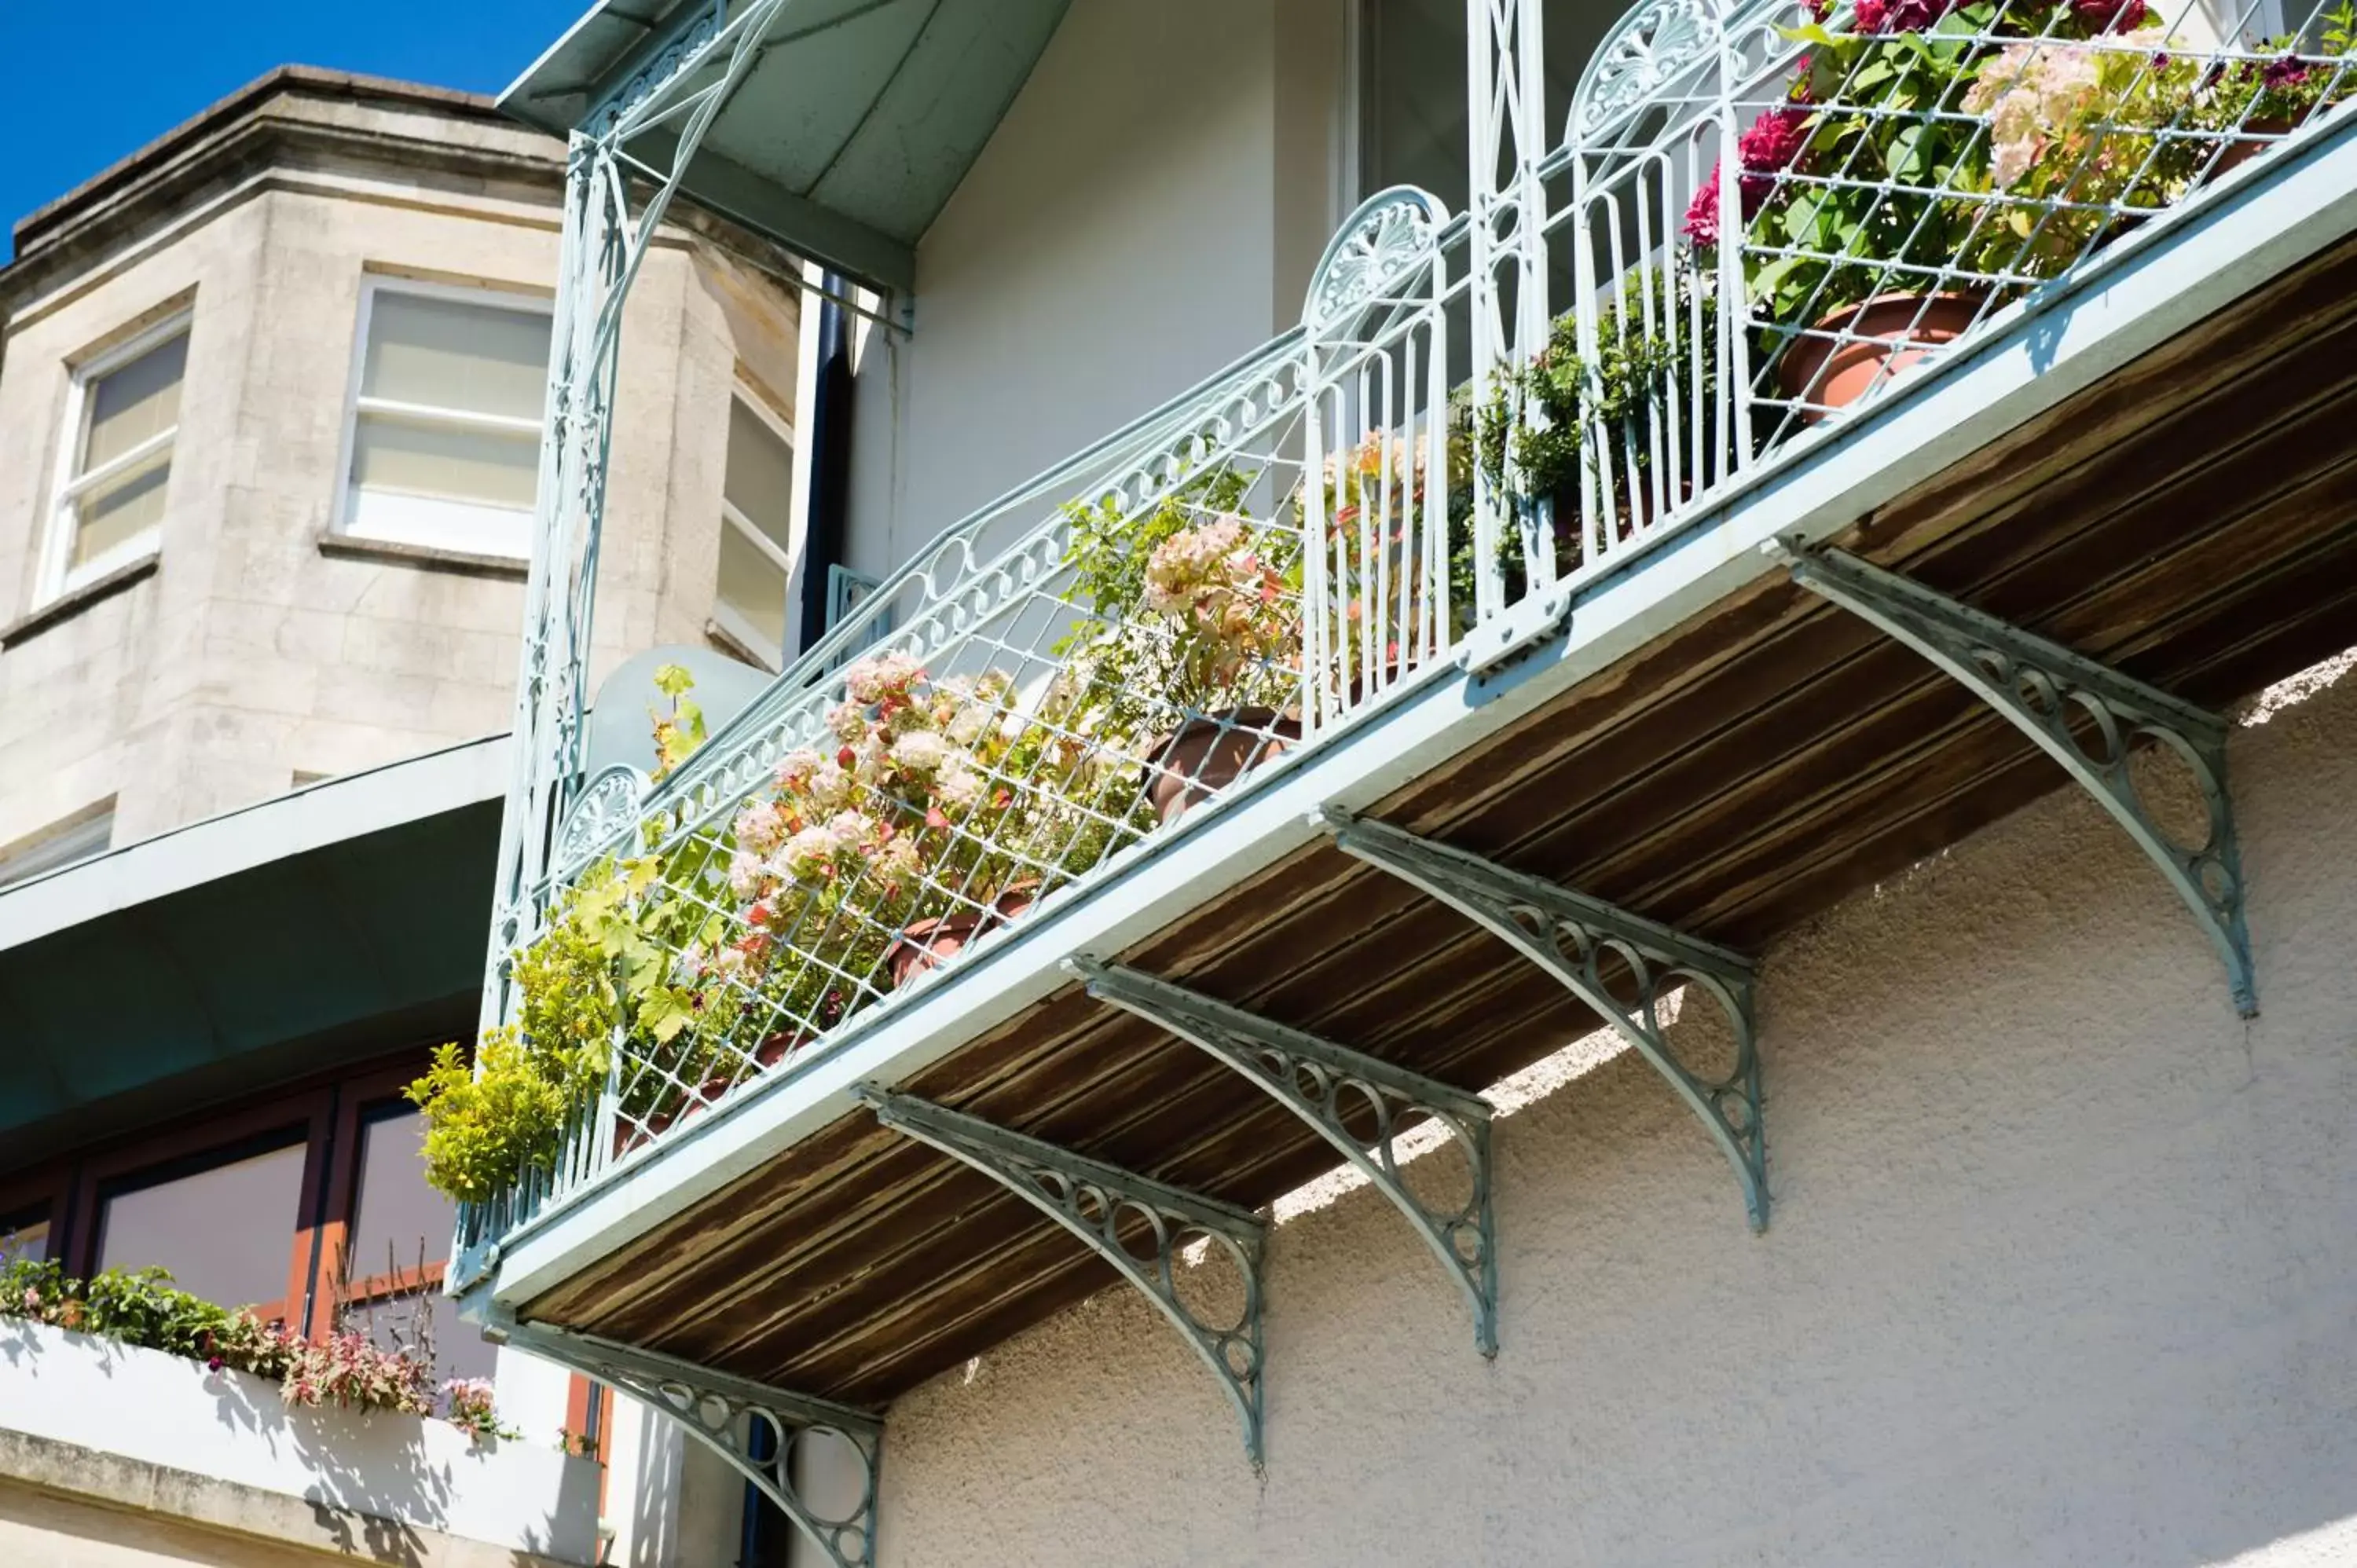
{"points": [[829, 438]]}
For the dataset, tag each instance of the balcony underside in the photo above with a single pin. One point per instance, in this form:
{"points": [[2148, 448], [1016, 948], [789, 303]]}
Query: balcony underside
{"points": [[2191, 519]]}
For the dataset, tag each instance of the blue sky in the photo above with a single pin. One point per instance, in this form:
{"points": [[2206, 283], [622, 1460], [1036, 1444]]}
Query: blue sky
{"points": [[89, 81]]}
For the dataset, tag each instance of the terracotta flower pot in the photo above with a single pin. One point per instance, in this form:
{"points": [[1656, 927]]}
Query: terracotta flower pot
{"points": [[929, 943], [1890, 331], [2242, 150], [1207, 755]]}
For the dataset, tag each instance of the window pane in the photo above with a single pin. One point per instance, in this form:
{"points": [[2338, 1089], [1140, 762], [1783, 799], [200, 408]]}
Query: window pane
{"points": [[753, 586], [401, 1322], [760, 481], [444, 353], [30, 1241], [395, 1214], [130, 404], [226, 1233], [393, 457], [115, 516], [57, 848]]}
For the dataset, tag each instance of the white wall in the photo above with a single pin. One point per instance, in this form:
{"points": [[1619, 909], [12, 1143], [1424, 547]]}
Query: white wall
{"points": [[521, 1495], [1138, 221], [2062, 1272]]}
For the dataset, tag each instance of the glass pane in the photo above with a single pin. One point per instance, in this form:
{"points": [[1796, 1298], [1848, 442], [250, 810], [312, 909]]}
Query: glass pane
{"points": [[753, 586], [114, 516], [130, 404], [30, 1241], [404, 1322], [446, 353], [395, 1213], [491, 469], [760, 481], [226, 1233]]}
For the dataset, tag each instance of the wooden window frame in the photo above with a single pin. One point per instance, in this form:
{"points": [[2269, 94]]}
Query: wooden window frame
{"points": [[356, 1098], [324, 1113], [231, 1135], [46, 1192]]}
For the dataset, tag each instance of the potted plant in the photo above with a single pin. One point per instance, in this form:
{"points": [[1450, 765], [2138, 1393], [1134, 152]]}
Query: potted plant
{"points": [[1568, 428], [1840, 191], [2251, 104], [1195, 640]]}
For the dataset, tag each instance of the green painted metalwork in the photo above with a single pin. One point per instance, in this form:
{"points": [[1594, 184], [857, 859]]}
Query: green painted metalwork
{"points": [[1112, 1211], [1623, 966], [724, 1412], [2087, 716], [1325, 1085]]}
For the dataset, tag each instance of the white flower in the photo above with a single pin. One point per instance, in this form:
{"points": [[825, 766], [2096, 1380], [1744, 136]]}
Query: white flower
{"points": [[959, 786], [810, 852], [870, 679], [759, 826], [746, 872], [921, 751]]}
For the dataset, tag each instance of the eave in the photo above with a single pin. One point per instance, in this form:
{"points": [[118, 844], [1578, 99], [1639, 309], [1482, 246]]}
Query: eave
{"points": [[854, 123]]}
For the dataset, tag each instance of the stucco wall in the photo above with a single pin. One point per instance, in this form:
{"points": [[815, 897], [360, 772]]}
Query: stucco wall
{"points": [[2062, 1271], [1145, 213], [251, 654]]}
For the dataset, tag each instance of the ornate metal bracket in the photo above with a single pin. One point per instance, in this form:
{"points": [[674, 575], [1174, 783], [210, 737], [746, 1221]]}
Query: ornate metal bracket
{"points": [[1098, 1203], [2085, 715], [724, 1412], [1622, 965], [1320, 1082]]}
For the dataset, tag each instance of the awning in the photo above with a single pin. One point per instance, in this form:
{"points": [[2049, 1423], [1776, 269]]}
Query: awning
{"points": [[844, 139]]}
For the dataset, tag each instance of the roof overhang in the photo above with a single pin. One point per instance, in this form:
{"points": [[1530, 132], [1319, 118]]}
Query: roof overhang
{"points": [[848, 131], [323, 925]]}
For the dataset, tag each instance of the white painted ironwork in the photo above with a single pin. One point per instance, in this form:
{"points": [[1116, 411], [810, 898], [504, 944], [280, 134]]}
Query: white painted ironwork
{"points": [[1143, 1228], [761, 1431], [1626, 968], [1634, 294], [2088, 716], [1359, 1104]]}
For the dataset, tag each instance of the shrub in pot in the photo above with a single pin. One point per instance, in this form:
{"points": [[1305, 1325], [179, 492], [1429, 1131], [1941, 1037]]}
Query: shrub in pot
{"points": [[1194, 649]]}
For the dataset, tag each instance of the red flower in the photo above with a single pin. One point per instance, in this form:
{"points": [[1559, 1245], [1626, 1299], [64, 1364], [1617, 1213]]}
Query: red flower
{"points": [[2110, 16], [1899, 15]]}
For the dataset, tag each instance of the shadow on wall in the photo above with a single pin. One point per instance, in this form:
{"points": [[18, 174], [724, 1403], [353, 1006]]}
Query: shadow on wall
{"points": [[2060, 1271]]}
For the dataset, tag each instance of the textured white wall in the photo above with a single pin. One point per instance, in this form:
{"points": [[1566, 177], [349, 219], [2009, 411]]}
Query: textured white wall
{"points": [[2062, 1272], [1147, 211]]}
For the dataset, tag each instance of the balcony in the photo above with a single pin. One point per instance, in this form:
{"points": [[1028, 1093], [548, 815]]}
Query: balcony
{"points": [[1440, 683]]}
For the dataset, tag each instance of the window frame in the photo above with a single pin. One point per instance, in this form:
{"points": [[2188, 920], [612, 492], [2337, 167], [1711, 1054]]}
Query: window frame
{"points": [[723, 614], [58, 578], [356, 1099], [340, 516], [228, 1138]]}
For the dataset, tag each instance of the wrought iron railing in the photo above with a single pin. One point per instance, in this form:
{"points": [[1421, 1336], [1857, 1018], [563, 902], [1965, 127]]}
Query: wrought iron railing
{"points": [[1067, 678]]}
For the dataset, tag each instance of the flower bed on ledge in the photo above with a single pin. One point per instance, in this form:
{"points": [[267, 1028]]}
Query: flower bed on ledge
{"points": [[144, 1310], [143, 1429]]}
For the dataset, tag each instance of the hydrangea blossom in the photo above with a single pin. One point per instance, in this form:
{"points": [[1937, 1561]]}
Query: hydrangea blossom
{"points": [[2032, 94]]}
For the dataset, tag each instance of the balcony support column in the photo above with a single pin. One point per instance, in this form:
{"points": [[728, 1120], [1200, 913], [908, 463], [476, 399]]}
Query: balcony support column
{"points": [[1324, 1084], [1623, 966], [1138, 1225], [725, 1413], [2085, 715]]}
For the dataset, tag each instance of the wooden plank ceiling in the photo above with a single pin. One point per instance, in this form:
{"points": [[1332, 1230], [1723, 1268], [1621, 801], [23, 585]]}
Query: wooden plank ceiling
{"points": [[2191, 519]]}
